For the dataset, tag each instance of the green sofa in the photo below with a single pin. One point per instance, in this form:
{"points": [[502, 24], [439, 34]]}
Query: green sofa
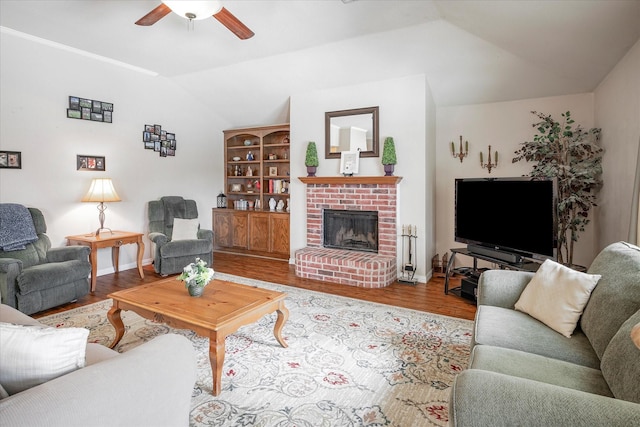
{"points": [[523, 373], [40, 277], [170, 256]]}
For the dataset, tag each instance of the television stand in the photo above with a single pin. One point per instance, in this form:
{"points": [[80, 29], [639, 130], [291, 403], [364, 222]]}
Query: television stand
{"points": [[471, 274]]}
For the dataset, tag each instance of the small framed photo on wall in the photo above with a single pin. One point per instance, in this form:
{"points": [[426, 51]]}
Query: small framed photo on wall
{"points": [[11, 159], [90, 163]]}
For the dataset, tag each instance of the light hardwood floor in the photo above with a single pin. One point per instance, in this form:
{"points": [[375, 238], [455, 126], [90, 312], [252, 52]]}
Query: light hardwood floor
{"points": [[428, 297]]}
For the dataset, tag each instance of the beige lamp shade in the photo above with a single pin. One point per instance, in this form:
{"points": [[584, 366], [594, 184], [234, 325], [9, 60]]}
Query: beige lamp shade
{"points": [[101, 191]]}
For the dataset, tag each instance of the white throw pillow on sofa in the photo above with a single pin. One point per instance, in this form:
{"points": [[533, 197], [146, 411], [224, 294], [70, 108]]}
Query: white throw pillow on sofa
{"points": [[185, 229], [557, 295], [32, 355]]}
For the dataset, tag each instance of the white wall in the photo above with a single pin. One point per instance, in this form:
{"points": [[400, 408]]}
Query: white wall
{"points": [[36, 81], [617, 112], [504, 126], [403, 106]]}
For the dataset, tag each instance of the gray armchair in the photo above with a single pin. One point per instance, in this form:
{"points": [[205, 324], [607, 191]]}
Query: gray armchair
{"points": [[171, 256], [40, 277]]}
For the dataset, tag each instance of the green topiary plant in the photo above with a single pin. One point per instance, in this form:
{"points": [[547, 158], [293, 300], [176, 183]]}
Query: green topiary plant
{"points": [[389, 152], [574, 157], [312, 155]]}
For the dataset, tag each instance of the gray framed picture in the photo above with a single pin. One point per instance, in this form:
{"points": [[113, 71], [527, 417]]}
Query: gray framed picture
{"points": [[86, 162], [10, 159]]}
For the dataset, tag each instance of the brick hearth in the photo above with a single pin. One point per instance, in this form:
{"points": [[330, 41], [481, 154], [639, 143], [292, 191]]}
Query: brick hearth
{"points": [[355, 268]]}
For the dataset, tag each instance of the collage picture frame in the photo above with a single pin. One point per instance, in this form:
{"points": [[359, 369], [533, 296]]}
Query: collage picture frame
{"points": [[88, 109], [86, 162], [10, 159], [159, 140]]}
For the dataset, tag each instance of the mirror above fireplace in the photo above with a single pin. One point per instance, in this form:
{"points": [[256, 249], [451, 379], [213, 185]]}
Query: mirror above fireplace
{"points": [[351, 130]]}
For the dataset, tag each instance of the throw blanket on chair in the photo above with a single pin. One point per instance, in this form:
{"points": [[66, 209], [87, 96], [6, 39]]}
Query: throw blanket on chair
{"points": [[16, 227]]}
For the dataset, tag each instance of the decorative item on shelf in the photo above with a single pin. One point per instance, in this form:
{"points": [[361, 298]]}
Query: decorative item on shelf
{"points": [[249, 171], [249, 186], [196, 276], [288, 208], [349, 162], [285, 140], [258, 205], [236, 188], [250, 156], [389, 156], [488, 165], [311, 159], [272, 156], [280, 205], [222, 200], [236, 159], [461, 154], [247, 142], [101, 190], [574, 156], [272, 204]]}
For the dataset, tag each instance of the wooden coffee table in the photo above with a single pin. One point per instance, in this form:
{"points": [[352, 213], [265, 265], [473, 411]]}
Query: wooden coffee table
{"points": [[220, 311]]}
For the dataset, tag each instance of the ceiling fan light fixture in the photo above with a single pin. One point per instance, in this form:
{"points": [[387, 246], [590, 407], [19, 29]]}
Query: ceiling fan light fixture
{"points": [[194, 10]]}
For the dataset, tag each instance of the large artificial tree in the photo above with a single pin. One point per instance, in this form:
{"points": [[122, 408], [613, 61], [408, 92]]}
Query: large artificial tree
{"points": [[573, 155]]}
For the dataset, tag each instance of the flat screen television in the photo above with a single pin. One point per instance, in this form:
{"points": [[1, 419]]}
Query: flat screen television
{"points": [[507, 218]]}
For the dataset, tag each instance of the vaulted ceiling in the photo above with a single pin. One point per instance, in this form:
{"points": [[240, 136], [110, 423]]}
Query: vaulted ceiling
{"points": [[470, 51]]}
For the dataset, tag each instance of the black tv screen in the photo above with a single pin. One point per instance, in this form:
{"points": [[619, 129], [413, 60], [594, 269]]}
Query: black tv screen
{"points": [[515, 215]]}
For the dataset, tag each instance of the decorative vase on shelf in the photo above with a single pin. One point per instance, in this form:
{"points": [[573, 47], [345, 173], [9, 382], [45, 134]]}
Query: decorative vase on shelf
{"points": [[272, 204], [388, 170]]}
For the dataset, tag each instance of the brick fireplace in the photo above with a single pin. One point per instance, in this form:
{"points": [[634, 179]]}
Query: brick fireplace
{"points": [[350, 267]]}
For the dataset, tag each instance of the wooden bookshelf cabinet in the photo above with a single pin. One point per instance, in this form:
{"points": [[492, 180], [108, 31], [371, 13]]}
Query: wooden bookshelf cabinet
{"points": [[256, 170], [251, 232], [265, 152]]}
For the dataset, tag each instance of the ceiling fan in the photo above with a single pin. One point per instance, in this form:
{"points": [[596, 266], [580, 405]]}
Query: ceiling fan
{"points": [[195, 10]]}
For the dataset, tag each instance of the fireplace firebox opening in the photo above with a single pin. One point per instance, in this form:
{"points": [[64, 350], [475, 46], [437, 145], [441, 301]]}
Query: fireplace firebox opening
{"points": [[351, 230]]}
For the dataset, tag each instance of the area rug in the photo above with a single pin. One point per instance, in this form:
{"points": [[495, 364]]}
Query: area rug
{"points": [[349, 362]]}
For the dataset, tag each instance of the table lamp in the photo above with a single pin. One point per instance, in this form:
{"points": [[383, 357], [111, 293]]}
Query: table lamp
{"points": [[101, 190]]}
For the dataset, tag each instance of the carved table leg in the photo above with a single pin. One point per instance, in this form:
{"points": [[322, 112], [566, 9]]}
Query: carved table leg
{"points": [[283, 315], [140, 254], [216, 358], [114, 318]]}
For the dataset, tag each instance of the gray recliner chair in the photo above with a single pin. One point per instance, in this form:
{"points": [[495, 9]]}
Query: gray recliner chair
{"points": [[171, 256], [39, 277]]}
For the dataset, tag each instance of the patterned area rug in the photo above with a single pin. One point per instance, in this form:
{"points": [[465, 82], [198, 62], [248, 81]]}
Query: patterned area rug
{"points": [[349, 362]]}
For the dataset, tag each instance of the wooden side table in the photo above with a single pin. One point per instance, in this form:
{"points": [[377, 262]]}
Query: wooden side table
{"points": [[111, 240]]}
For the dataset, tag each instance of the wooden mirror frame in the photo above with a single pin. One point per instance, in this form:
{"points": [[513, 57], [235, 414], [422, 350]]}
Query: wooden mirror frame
{"points": [[374, 152]]}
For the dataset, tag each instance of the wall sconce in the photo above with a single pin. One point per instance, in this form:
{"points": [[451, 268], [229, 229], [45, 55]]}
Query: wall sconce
{"points": [[101, 191], [489, 165], [460, 155]]}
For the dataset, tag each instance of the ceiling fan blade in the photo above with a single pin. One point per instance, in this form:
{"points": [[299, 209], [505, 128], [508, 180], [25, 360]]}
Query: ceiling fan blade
{"points": [[154, 16], [227, 19]]}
